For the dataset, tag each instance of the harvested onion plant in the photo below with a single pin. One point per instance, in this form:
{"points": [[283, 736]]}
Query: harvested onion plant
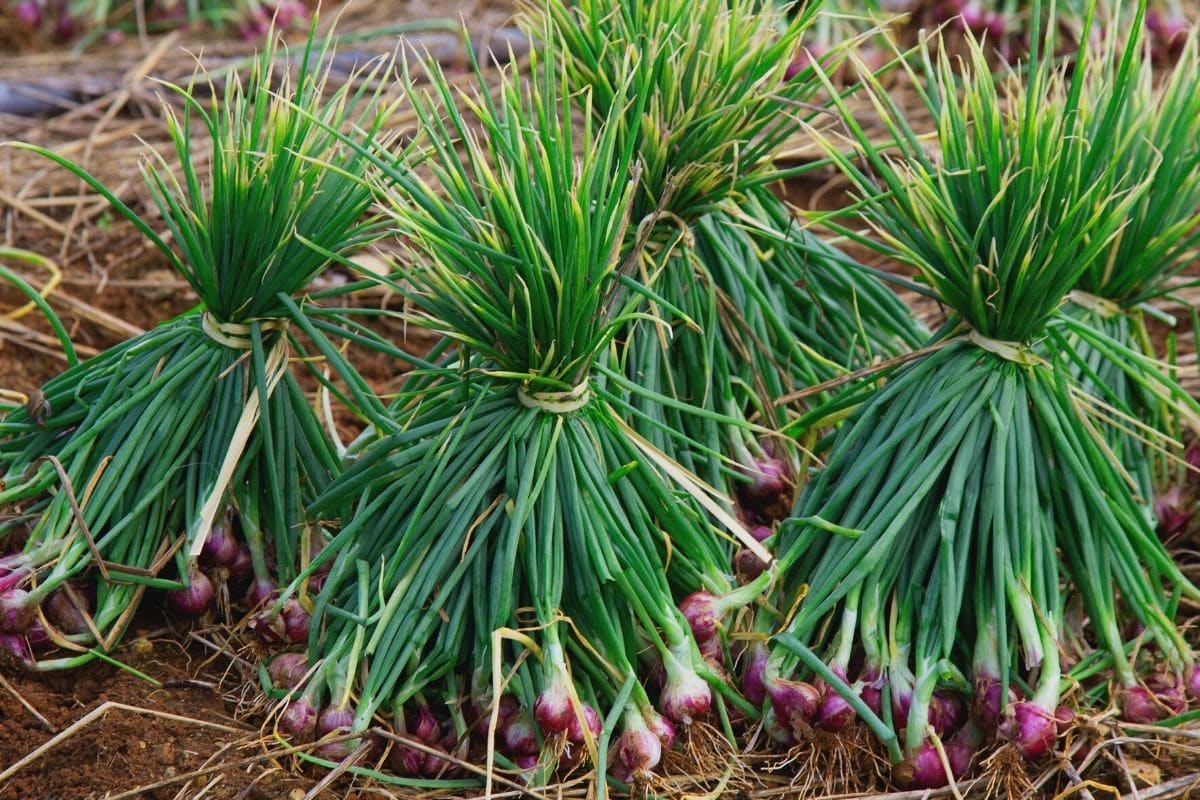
{"points": [[750, 305], [861, 24], [500, 566], [1004, 26], [131, 470], [969, 501], [1152, 258], [68, 19]]}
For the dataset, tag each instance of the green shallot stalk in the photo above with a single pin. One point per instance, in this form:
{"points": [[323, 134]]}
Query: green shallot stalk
{"points": [[128, 479]]}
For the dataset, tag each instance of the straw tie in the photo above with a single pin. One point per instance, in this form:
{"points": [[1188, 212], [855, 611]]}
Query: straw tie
{"points": [[1017, 352], [1100, 306], [236, 335], [556, 402]]}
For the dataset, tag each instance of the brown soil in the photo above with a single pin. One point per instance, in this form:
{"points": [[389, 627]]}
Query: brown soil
{"points": [[189, 726], [123, 749]]}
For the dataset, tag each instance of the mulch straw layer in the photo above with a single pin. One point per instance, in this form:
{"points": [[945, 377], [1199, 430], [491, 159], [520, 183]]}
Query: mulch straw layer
{"points": [[190, 722]]}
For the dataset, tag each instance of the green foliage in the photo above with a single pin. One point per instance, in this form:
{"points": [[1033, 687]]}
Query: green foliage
{"points": [[1015, 202], [281, 189], [713, 76], [1158, 126], [516, 238]]}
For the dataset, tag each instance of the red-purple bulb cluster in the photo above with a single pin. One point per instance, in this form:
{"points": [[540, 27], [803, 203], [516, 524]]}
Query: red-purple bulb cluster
{"points": [[986, 705], [765, 496], [754, 673], [921, 770], [291, 624], [299, 720], [16, 611], [335, 721], [1160, 696], [423, 726], [591, 720], [639, 751], [1175, 509], [1169, 31], [284, 12], [17, 646]]}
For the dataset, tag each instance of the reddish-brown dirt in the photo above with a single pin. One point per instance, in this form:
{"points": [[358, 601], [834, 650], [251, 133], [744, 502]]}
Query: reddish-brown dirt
{"points": [[213, 719], [122, 749]]}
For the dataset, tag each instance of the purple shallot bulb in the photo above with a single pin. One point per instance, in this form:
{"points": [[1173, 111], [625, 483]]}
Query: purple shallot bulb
{"points": [[194, 599], [834, 713], [287, 670], [686, 696], [37, 636], [639, 751], [62, 612], [961, 750], [945, 713], [974, 18], [242, 566], [713, 653], [795, 704], [986, 707], [872, 681], [299, 720], [28, 13], [661, 727], [1168, 691], [590, 718], [16, 611], [335, 721], [518, 737], [1138, 705], [747, 565], [261, 592], [701, 610], [509, 705], [424, 725], [754, 674], [433, 765], [1193, 683], [553, 708], [1174, 513], [1031, 728], [16, 645], [220, 548], [295, 622], [921, 770], [770, 477]]}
